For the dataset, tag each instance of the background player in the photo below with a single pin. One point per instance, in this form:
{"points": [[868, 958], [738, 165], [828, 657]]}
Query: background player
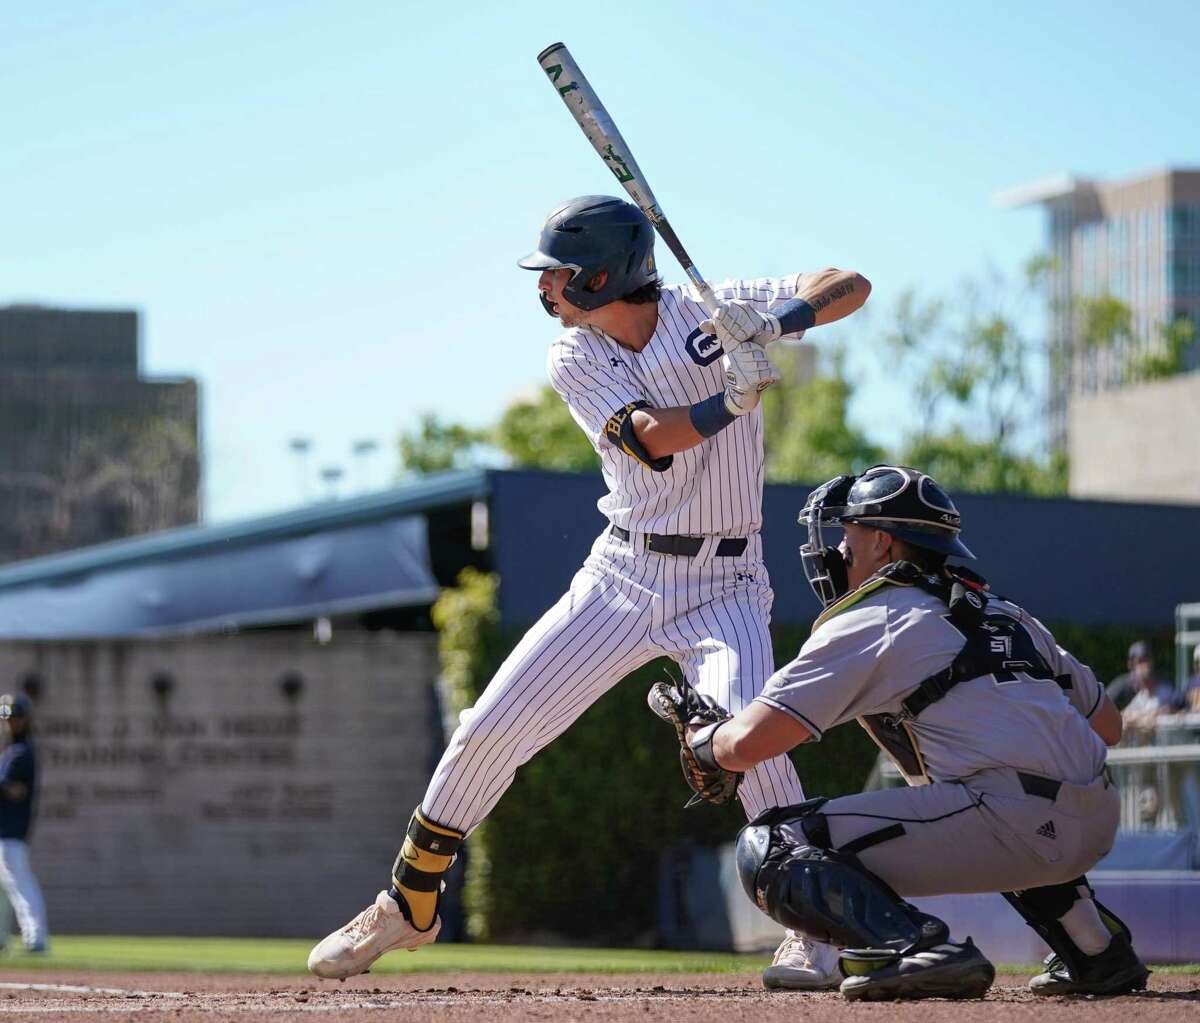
{"points": [[672, 409], [1001, 732], [18, 781]]}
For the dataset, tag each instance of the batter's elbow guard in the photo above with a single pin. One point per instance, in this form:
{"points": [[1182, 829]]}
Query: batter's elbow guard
{"points": [[620, 434]]}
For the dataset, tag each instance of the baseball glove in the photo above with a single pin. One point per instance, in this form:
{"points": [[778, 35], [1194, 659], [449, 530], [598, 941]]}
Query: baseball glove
{"points": [[681, 706]]}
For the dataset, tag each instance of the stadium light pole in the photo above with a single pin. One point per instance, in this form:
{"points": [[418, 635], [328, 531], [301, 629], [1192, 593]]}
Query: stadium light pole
{"points": [[332, 475], [300, 447], [363, 450]]}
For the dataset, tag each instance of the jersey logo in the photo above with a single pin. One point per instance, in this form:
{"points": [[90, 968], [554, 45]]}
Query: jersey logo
{"points": [[703, 348], [1047, 830]]}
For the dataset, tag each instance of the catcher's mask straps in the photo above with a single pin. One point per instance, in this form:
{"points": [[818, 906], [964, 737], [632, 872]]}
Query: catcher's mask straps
{"points": [[429, 849]]}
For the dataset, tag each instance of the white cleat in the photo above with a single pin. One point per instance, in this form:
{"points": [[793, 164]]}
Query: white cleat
{"points": [[379, 928], [801, 964]]}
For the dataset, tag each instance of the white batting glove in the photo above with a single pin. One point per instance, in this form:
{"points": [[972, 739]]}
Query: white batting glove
{"points": [[736, 322], [748, 372]]}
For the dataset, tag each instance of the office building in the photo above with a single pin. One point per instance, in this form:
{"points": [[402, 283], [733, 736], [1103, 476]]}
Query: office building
{"points": [[90, 450], [1137, 240]]}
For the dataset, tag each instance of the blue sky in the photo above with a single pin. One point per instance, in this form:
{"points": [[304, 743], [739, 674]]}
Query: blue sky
{"points": [[317, 206]]}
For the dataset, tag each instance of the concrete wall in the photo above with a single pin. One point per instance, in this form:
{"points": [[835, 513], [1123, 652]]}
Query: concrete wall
{"points": [[225, 806], [1140, 443], [705, 907]]}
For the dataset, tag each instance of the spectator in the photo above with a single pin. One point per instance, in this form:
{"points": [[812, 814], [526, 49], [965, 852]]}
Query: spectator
{"points": [[18, 775], [1192, 695], [1152, 695]]}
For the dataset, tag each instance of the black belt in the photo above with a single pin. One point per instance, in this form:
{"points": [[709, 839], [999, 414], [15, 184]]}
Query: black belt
{"points": [[1036, 785], [686, 546]]}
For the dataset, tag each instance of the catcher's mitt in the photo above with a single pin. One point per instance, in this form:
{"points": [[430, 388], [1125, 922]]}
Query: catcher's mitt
{"points": [[681, 706]]}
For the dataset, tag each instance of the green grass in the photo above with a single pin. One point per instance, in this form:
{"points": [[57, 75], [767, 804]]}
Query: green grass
{"points": [[272, 955]]}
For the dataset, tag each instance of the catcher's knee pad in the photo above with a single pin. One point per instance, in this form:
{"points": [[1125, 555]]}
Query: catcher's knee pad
{"points": [[826, 895], [1043, 909], [429, 849]]}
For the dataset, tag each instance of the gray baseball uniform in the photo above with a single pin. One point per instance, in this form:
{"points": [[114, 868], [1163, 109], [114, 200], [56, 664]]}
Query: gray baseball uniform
{"points": [[1009, 790]]}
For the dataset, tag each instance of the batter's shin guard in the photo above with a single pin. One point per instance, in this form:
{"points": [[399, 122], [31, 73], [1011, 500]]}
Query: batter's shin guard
{"points": [[429, 849]]}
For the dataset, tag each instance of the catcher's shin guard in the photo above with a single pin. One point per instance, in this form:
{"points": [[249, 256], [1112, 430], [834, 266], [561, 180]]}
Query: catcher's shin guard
{"points": [[1043, 909], [429, 849], [825, 894]]}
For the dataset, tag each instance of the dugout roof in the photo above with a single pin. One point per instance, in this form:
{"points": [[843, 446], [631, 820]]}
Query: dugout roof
{"points": [[335, 558]]}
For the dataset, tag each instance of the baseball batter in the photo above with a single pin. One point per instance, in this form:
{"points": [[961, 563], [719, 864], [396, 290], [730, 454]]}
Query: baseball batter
{"points": [[1000, 732], [669, 398]]}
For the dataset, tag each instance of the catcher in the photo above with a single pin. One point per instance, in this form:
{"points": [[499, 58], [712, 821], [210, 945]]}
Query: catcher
{"points": [[999, 731]]}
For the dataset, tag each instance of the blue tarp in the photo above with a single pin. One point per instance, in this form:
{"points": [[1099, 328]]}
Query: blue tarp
{"points": [[1084, 562], [249, 582]]}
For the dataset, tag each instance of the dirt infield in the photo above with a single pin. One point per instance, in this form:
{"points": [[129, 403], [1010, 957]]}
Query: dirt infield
{"points": [[484, 998]]}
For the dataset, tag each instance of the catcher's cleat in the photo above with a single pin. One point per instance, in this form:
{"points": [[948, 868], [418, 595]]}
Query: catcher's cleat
{"points": [[1115, 971], [801, 964], [948, 970], [379, 928]]}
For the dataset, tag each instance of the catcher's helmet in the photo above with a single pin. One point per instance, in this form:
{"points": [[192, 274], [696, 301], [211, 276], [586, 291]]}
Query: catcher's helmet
{"points": [[594, 233], [903, 502], [14, 707], [909, 505]]}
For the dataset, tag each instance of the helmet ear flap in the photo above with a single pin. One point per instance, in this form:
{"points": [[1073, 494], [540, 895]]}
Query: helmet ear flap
{"points": [[597, 233]]}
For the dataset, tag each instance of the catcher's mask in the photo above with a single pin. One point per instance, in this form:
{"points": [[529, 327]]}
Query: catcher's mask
{"points": [[903, 502]]}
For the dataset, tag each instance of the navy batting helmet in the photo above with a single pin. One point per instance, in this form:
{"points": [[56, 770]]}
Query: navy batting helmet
{"points": [[14, 707], [591, 234]]}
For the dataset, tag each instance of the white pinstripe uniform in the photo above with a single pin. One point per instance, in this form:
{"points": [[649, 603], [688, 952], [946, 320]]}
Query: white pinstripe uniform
{"points": [[627, 605]]}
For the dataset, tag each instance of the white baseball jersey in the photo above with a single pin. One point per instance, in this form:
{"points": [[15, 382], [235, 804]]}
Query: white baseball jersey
{"points": [[713, 489], [627, 605]]}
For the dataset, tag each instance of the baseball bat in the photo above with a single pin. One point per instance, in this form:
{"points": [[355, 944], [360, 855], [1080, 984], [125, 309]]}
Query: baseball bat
{"points": [[590, 115]]}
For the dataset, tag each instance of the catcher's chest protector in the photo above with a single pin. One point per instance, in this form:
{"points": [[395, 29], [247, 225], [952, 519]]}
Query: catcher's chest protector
{"points": [[994, 644]]}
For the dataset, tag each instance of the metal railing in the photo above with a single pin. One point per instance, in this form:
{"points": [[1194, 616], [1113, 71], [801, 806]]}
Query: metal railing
{"points": [[1187, 639], [1159, 784]]}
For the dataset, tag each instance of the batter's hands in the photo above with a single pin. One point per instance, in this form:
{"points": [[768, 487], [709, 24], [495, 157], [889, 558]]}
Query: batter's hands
{"points": [[737, 322], [748, 372]]}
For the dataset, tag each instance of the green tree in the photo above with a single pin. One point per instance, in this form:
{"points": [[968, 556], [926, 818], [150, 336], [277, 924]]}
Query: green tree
{"points": [[539, 432], [436, 445], [806, 429], [963, 463], [980, 410], [1169, 360], [1106, 322]]}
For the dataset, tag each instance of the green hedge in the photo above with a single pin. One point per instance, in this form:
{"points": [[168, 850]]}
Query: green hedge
{"points": [[1106, 647], [572, 849]]}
